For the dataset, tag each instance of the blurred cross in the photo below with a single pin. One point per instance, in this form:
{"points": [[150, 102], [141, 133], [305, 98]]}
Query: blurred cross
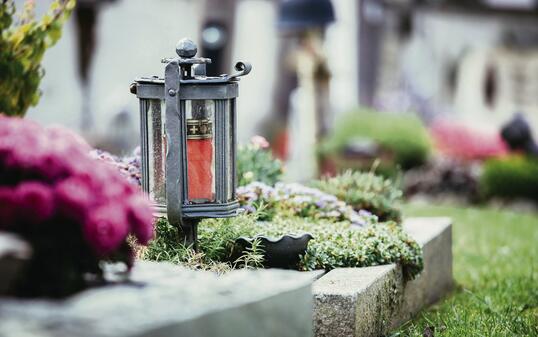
{"points": [[194, 129]]}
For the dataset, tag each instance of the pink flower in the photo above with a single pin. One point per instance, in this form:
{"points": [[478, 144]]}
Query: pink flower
{"points": [[259, 142], [141, 218], [115, 189], [74, 198], [8, 207], [35, 202], [65, 138], [106, 229], [57, 181], [458, 141], [51, 167]]}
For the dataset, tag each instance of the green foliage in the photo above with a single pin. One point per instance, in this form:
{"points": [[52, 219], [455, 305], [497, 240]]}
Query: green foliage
{"points": [[510, 177], [402, 134], [496, 267], [340, 245], [216, 238], [334, 245], [257, 164], [23, 43], [365, 191]]}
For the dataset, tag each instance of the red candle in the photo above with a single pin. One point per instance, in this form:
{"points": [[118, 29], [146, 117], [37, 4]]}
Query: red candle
{"points": [[200, 160]]}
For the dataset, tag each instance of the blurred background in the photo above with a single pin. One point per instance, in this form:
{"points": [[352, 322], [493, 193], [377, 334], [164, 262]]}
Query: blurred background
{"points": [[402, 84]]}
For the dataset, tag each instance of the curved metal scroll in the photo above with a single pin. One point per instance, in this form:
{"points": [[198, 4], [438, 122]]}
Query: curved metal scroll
{"points": [[243, 68]]}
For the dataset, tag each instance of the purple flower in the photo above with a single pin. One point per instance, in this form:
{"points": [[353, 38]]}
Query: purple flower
{"points": [[128, 167], [296, 199], [249, 208], [365, 213]]}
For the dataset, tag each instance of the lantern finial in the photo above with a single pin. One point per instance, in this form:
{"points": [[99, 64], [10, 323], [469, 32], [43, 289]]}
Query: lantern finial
{"points": [[186, 48]]}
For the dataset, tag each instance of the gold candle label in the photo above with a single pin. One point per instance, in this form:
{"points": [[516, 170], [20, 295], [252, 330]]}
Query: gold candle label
{"points": [[199, 129]]}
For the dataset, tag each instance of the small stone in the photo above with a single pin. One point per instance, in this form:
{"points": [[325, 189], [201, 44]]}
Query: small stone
{"points": [[14, 253]]}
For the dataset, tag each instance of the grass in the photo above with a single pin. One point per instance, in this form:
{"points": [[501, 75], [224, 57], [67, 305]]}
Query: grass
{"points": [[496, 269]]}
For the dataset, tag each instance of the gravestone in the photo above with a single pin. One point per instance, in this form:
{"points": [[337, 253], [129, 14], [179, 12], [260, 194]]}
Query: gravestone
{"points": [[165, 300]]}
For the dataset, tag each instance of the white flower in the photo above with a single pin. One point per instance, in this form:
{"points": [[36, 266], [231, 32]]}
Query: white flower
{"points": [[259, 142], [249, 175]]}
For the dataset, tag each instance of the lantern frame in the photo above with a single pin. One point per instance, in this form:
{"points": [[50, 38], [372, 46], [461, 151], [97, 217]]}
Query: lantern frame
{"points": [[184, 82]]}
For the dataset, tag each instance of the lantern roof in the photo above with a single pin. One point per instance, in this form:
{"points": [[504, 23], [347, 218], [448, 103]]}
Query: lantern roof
{"points": [[186, 50]]}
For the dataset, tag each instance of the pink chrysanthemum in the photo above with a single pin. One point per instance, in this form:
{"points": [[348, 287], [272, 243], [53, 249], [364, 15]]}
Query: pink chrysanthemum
{"points": [[48, 180], [35, 202], [138, 217], [74, 198], [106, 228], [8, 207]]}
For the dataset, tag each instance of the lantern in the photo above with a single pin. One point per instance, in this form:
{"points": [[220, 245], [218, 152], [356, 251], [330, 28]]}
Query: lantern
{"points": [[188, 140]]}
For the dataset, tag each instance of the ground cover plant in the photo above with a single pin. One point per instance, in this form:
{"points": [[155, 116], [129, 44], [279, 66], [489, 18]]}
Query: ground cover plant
{"points": [[334, 245], [364, 191], [293, 199], [496, 269], [23, 42]]}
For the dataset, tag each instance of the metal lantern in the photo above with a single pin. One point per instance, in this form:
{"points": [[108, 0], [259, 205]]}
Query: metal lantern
{"points": [[188, 140]]}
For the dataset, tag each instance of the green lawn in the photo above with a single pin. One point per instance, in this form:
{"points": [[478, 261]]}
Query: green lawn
{"points": [[496, 271]]}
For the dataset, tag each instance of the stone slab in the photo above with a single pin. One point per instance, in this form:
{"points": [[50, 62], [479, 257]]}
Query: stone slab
{"points": [[166, 300], [374, 300], [14, 254]]}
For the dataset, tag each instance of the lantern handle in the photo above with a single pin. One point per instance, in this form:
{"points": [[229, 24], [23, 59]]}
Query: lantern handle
{"points": [[243, 68]]}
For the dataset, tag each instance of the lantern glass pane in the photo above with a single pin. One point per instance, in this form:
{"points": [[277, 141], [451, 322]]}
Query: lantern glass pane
{"points": [[157, 152], [230, 142], [200, 151]]}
